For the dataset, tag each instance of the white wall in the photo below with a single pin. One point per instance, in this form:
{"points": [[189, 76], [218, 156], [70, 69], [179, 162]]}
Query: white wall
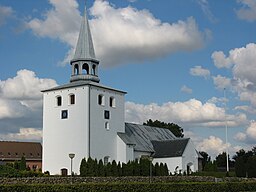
{"points": [[190, 157], [121, 150], [138, 154], [172, 163], [83, 132], [64, 136], [103, 142]]}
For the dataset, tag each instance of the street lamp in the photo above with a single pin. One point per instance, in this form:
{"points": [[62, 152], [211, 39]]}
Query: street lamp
{"points": [[71, 156]]}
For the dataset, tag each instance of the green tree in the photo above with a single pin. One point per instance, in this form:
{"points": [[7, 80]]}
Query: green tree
{"points": [[157, 169], [206, 158], [221, 160], [114, 169], [242, 162], [101, 172], [83, 168], [174, 128], [90, 167], [251, 166], [119, 169], [210, 166], [144, 167], [22, 164]]}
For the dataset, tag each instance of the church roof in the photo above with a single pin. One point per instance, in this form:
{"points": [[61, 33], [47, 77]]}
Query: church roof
{"points": [[170, 148], [142, 135], [81, 83], [84, 47], [12, 150]]}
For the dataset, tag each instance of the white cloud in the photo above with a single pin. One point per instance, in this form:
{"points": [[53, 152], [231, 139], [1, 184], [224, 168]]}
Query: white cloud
{"points": [[121, 35], [191, 113], [25, 86], [243, 82], [249, 135], [21, 102], [24, 134], [186, 89], [212, 145], [199, 71], [220, 60], [251, 131], [206, 10], [221, 82], [248, 11], [246, 108], [240, 136], [5, 12]]}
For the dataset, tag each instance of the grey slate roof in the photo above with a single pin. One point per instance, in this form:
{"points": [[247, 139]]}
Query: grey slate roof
{"points": [[170, 148], [142, 135], [81, 83], [84, 47]]}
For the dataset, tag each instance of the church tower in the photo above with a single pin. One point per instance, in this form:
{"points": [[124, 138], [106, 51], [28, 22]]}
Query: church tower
{"points": [[82, 117], [84, 64]]}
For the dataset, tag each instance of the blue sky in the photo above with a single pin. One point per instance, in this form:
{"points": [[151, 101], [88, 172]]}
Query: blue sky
{"points": [[174, 58]]}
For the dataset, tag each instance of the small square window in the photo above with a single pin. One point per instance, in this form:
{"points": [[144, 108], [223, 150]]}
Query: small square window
{"points": [[106, 114], [64, 114]]}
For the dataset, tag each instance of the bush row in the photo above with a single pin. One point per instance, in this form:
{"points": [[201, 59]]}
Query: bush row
{"points": [[94, 168], [9, 171], [136, 187]]}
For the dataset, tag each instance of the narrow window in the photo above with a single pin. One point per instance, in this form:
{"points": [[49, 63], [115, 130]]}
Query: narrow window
{"points": [[94, 69], [72, 99], [85, 69], [101, 100], [107, 125], [112, 102], [106, 160], [58, 98], [106, 114], [76, 69]]}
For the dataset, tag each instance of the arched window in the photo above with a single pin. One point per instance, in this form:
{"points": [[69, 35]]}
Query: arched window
{"points": [[106, 160], [101, 100], [58, 100], [107, 125], [112, 102], [76, 69], [85, 68], [94, 69], [71, 99]]}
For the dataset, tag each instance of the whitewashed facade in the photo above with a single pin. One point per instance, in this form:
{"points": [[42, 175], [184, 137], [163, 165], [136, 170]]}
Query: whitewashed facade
{"points": [[86, 118]]}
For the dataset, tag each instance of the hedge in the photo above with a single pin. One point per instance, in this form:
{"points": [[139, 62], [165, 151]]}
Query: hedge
{"points": [[136, 187]]}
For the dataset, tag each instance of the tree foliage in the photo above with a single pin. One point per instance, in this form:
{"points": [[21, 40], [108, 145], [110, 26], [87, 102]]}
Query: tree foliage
{"points": [[174, 128], [90, 167], [245, 163], [206, 159]]}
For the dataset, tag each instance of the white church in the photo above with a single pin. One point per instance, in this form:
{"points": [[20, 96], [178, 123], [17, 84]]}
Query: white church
{"points": [[87, 119]]}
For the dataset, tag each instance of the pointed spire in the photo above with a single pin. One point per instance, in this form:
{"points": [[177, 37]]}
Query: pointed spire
{"points": [[84, 47]]}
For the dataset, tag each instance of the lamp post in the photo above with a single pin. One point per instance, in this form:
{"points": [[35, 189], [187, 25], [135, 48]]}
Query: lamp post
{"points": [[71, 156]]}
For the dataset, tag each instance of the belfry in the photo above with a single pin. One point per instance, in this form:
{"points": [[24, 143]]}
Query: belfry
{"points": [[84, 64]]}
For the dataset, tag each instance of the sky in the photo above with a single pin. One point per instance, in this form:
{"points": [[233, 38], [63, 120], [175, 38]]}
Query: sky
{"points": [[190, 62]]}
